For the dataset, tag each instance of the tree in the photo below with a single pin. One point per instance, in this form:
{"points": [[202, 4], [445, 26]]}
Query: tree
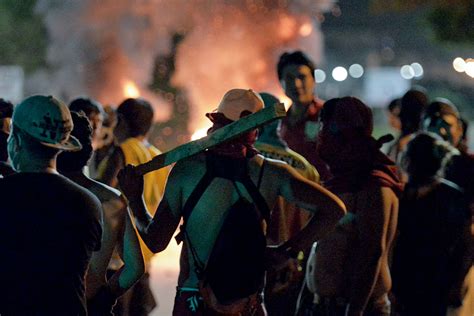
{"points": [[23, 36], [451, 20]]}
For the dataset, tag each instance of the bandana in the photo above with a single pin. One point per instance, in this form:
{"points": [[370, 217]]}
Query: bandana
{"points": [[240, 147]]}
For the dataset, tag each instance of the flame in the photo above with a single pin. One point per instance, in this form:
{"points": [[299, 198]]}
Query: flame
{"points": [[130, 90], [285, 100], [306, 29], [199, 133]]}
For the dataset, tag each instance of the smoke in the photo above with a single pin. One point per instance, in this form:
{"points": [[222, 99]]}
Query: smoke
{"points": [[96, 46]]}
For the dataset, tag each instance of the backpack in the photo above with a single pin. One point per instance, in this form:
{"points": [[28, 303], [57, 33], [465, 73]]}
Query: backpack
{"points": [[233, 276]]}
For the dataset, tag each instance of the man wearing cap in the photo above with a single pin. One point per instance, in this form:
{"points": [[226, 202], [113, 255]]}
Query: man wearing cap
{"points": [[443, 118], [50, 226], [204, 223], [300, 127]]}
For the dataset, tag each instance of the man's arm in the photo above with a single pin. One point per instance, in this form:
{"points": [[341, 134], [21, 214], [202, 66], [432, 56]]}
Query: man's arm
{"points": [[328, 208], [114, 163], [374, 209], [155, 231]]}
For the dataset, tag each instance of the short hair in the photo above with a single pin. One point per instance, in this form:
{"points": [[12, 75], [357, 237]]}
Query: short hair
{"points": [[138, 113], [426, 155], [294, 58], [86, 105], [394, 106], [76, 160], [6, 108], [413, 104]]}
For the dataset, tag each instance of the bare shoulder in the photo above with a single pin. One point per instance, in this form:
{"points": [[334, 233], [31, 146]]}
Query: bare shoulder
{"points": [[376, 197], [104, 192]]}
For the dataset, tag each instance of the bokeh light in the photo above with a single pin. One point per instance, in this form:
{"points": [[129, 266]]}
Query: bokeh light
{"points": [[339, 73]]}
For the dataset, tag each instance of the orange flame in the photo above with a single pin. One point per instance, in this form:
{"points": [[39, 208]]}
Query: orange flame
{"points": [[130, 90], [199, 133], [306, 29]]}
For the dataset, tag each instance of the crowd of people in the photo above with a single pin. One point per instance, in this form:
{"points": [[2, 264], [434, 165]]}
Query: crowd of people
{"points": [[306, 215]]}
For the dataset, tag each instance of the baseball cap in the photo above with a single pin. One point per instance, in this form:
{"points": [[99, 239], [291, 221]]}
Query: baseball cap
{"points": [[440, 107], [47, 120], [236, 101]]}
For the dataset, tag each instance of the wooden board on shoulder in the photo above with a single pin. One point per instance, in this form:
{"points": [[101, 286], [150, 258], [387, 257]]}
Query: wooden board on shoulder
{"points": [[220, 136]]}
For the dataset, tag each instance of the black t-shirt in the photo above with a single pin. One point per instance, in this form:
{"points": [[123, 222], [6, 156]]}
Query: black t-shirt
{"points": [[49, 227], [427, 255]]}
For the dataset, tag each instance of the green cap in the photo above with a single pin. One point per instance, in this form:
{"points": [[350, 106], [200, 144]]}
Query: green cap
{"points": [[47, 120]]}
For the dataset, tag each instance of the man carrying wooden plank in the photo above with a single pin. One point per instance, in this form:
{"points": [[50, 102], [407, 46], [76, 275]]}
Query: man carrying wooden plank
{"points": [[205, 190]]}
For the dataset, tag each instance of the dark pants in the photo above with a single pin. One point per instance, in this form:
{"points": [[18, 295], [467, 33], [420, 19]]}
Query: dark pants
{"points": [[337, 307], [137, 301], [190, 303]]}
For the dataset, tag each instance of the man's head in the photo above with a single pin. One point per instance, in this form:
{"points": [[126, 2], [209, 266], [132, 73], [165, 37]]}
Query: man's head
{"points": [[393, 113], [425, 156], [75, 161], [135, 117], [347, 125], [94, 112], [41, 127], [442, 117], [236, 104], [6, 111], [296, 76], [413, 104]]}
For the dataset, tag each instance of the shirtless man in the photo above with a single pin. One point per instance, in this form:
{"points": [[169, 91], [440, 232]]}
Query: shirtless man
{"points": [[118, 231], [206, 219], [352, 276]]}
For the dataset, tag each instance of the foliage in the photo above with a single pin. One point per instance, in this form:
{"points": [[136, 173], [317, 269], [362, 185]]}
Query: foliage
{"points": [[23, 36], [451, 20]]}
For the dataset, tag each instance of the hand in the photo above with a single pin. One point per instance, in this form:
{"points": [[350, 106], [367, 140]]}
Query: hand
{"points": [[282, 269], [130, 183]]}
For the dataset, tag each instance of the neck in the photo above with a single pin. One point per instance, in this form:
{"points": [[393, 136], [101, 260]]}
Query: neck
{"points": [[77, 176], [34, 165]]}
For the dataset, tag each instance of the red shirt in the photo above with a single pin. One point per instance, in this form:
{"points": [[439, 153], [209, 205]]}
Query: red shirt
{"points": [[301, 136]]}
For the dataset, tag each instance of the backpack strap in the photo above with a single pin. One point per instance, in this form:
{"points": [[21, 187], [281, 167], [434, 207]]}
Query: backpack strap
{"points": [[257, 198], [192, 200]]}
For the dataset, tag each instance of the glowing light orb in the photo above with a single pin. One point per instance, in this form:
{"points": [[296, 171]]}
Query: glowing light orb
{"points": [[417, 70], [356, 71], [339, 73], [407, 72], [319, 75], [459, 64], [470, 68], [306, 29]]}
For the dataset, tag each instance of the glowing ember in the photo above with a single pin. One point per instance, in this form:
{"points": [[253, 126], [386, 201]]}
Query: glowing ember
{"points": [[200, 133], [306, 29], [130, 90]]}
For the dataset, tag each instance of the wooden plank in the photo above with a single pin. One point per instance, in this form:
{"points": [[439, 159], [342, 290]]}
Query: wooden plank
{"points": [[220, 136]]}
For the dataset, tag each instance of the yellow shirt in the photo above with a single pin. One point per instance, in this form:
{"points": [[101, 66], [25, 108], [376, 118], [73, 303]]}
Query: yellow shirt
{"points": [[135, 153]]}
